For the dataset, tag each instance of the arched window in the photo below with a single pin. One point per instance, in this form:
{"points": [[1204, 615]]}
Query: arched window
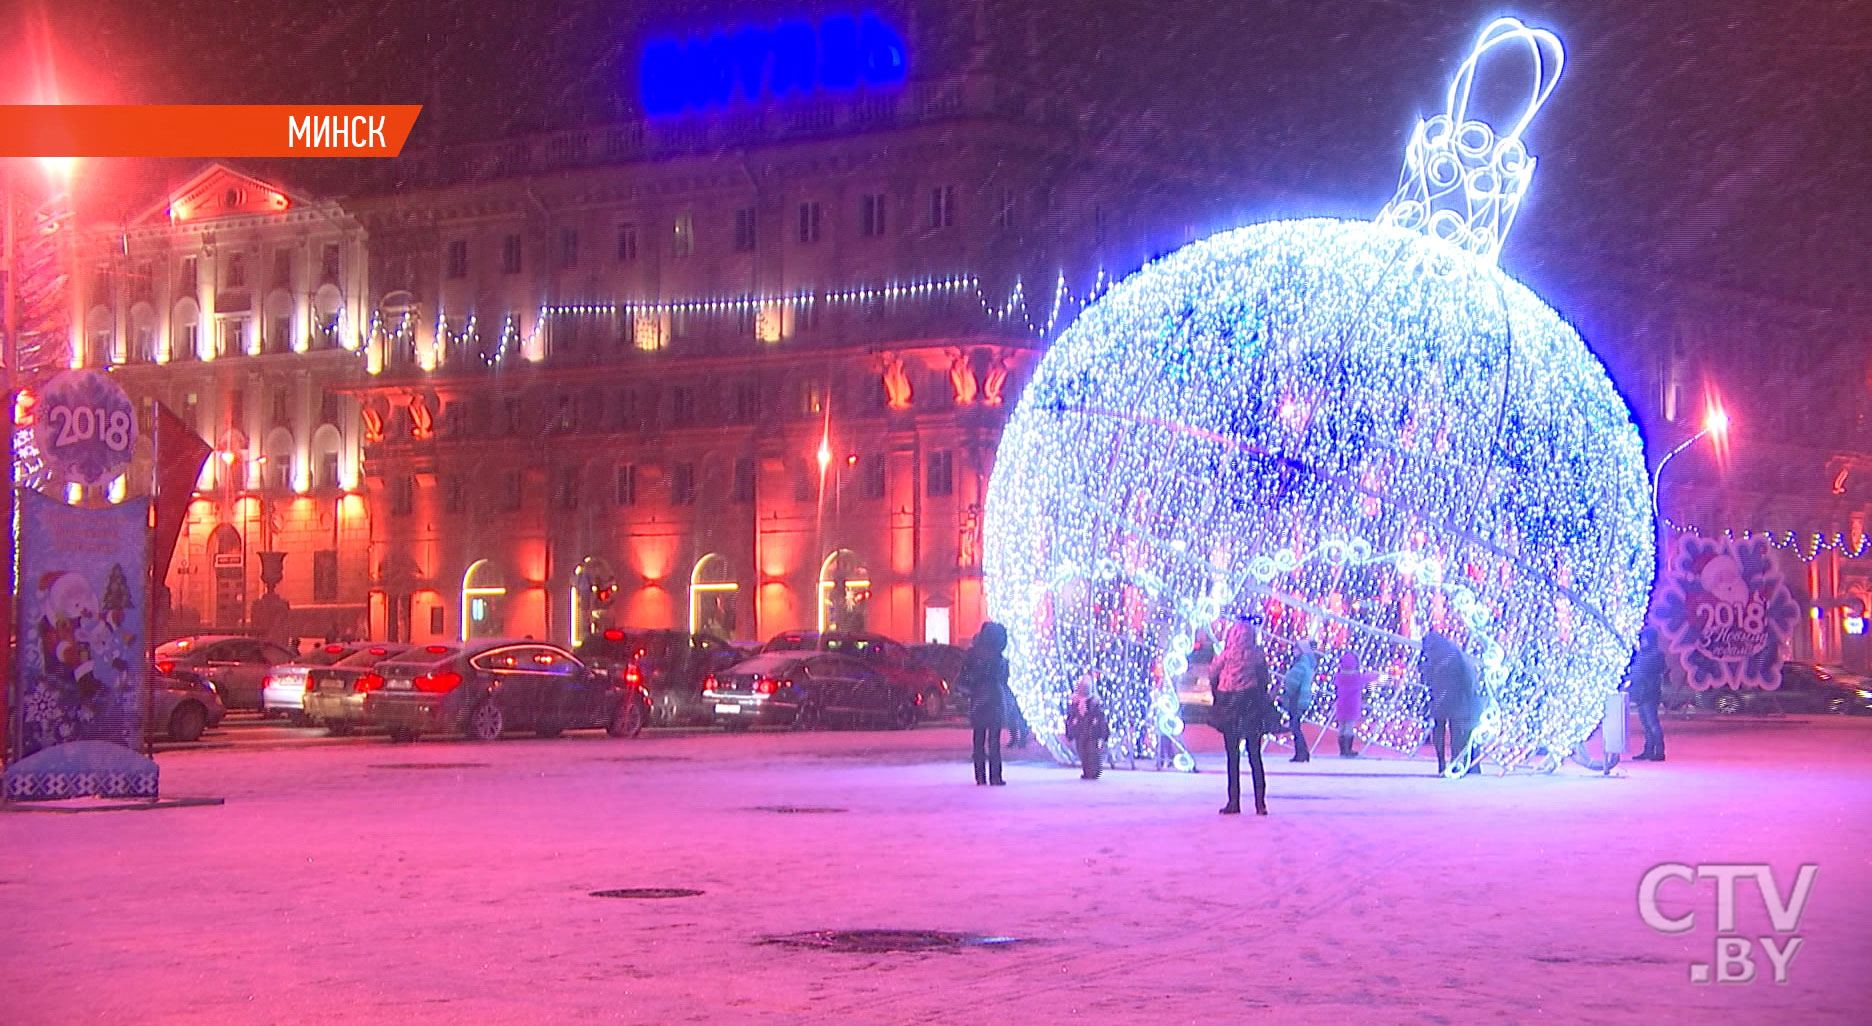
{"points": [[483, 588], [712, 596], [594, 589], [844, 592]]}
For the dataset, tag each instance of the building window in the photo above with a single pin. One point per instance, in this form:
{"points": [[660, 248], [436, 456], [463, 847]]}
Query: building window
{"points": [[942, 206], [188, 281], [681, 325], [871, 215], [233, 338], [510, 410], [627, 243], [1004, 211], [682, 406], [568, 247], [744, 230], [566, 494], [329, 265], [325, 575], [402, 496], [236, 271], [683, 243], [872, 483], [282, 335], [941, 473], [510, 254], [282, 268], [282, 407], [328, 408], [625, 416], [452, 493], [812, 397], [510, 490], [457, 261], [188, 345], [565, 418], [809, 223], [746, 469], [624, 486], [682, 484], [746, 408], [807, 315]]}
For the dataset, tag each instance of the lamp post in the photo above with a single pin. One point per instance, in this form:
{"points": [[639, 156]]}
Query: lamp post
{"points": [[1715, 422]]}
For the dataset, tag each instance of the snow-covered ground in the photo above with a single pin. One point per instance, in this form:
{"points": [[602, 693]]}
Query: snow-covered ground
{"points": [[333, 888]]}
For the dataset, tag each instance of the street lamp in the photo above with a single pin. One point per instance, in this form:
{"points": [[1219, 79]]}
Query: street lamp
{"points": [[1715, 422]]}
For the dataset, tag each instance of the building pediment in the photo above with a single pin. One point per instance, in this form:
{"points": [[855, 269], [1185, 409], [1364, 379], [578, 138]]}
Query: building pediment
{"points": [[219, 191]]}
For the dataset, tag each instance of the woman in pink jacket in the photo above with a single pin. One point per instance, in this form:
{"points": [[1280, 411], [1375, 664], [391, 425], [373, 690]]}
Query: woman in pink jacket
{"points": [[1348, 686], [1240, 690]]}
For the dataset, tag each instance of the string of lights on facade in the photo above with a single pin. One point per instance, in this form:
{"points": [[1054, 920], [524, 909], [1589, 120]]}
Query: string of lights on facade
{"points": [[1014, 310], [1355, 432], [1808, 545]]}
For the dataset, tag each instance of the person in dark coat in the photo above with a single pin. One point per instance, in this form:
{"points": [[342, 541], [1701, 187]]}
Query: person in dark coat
{"points": [[984, 678], [1087, 729], [1647, 693], [1455, 703], [1239, 688]]}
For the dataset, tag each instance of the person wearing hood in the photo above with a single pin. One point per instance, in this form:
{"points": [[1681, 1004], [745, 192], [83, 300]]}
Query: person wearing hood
{"points": [[1646, 675], [1240, 691], [1297, 695], [984, 679], [1455, 703], [1348, 687], [1087, 728]]}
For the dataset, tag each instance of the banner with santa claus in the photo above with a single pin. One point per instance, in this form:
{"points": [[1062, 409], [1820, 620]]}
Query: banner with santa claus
{"points": [[80, 667], [1725, 613]]}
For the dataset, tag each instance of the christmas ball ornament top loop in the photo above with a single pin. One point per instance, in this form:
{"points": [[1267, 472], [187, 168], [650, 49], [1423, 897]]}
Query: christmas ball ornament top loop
{"points": [[1462, 180]]}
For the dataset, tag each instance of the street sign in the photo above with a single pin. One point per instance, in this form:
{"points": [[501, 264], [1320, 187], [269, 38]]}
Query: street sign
{"points": [[84, 427], [227, 560]]}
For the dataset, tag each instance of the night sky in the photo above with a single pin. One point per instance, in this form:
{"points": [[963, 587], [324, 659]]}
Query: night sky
{"points": [[1729, 141]]}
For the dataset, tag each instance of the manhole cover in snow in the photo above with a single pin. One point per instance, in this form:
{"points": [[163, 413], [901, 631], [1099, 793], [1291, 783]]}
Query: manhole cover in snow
{"points": [[427, 765], [647, 892], [798, 810], [872, 942]]}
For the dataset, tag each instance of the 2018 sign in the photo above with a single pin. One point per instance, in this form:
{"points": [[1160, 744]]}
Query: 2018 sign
{"points": [[85, 427], [1725, 612]]}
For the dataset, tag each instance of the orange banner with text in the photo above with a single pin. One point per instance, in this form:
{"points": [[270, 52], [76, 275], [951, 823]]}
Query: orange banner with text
{"points": [[218, 130]]}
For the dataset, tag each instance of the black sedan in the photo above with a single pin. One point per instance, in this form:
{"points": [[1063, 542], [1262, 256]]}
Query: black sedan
{"points": [[484, 688], [809, 689]]}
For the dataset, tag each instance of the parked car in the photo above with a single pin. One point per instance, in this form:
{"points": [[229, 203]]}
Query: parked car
{"points": [[236, 667], [334, 695], [809, 688], [945, 661], [182, 705], [669, 665], [483, 688], [283, 691], [1806, 689], [887, 657]]}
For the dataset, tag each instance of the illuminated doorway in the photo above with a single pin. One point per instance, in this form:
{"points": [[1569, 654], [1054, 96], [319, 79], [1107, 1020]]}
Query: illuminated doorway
{"points": [[712, 593], [594, 588], [844, 592], [483, 587]]}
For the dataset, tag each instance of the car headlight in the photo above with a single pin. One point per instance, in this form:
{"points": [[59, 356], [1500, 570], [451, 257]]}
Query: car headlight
{"points": [[1865, 694]]}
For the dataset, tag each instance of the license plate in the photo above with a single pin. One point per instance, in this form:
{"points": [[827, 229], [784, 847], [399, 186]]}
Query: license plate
{"points": [[727, 707], [398, 685]]}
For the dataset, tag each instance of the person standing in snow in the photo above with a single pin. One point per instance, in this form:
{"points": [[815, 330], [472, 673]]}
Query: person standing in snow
{"points": [[1349, 700], [1297, 695], [1087, 729], [1240, 691], [984, 678], [1455, 704], [1647, 693]]}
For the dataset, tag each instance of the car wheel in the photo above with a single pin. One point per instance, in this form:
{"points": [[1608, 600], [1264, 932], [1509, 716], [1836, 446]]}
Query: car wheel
{"points": [[402, 735], [339, 728], [187, 722], [485, 722], [628, 720], [665, 713], [905, 715]]}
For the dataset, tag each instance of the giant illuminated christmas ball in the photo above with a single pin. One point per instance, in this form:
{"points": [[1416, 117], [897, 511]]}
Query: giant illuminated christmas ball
{"points": [[1354, 431]]}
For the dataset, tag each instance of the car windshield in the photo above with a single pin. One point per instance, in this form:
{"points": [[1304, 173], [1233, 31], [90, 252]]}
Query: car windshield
{"points": [[770, 662], [324, 655], [421, 658], [372, 655], [793, 643]]}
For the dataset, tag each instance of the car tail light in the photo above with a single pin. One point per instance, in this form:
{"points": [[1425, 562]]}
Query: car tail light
{"points": [[165, 666], [368, 682], [308, 682], [333, 649], [266, 681], [766, 685], [614, 635], [632, 675], [708, 683], [439, 683]]}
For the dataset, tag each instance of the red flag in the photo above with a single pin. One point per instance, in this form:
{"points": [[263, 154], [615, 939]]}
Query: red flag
{"points": [[180, 453]]}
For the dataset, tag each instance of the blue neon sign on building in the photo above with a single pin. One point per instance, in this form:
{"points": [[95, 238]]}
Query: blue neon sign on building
{"points": [[750, 64]]}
